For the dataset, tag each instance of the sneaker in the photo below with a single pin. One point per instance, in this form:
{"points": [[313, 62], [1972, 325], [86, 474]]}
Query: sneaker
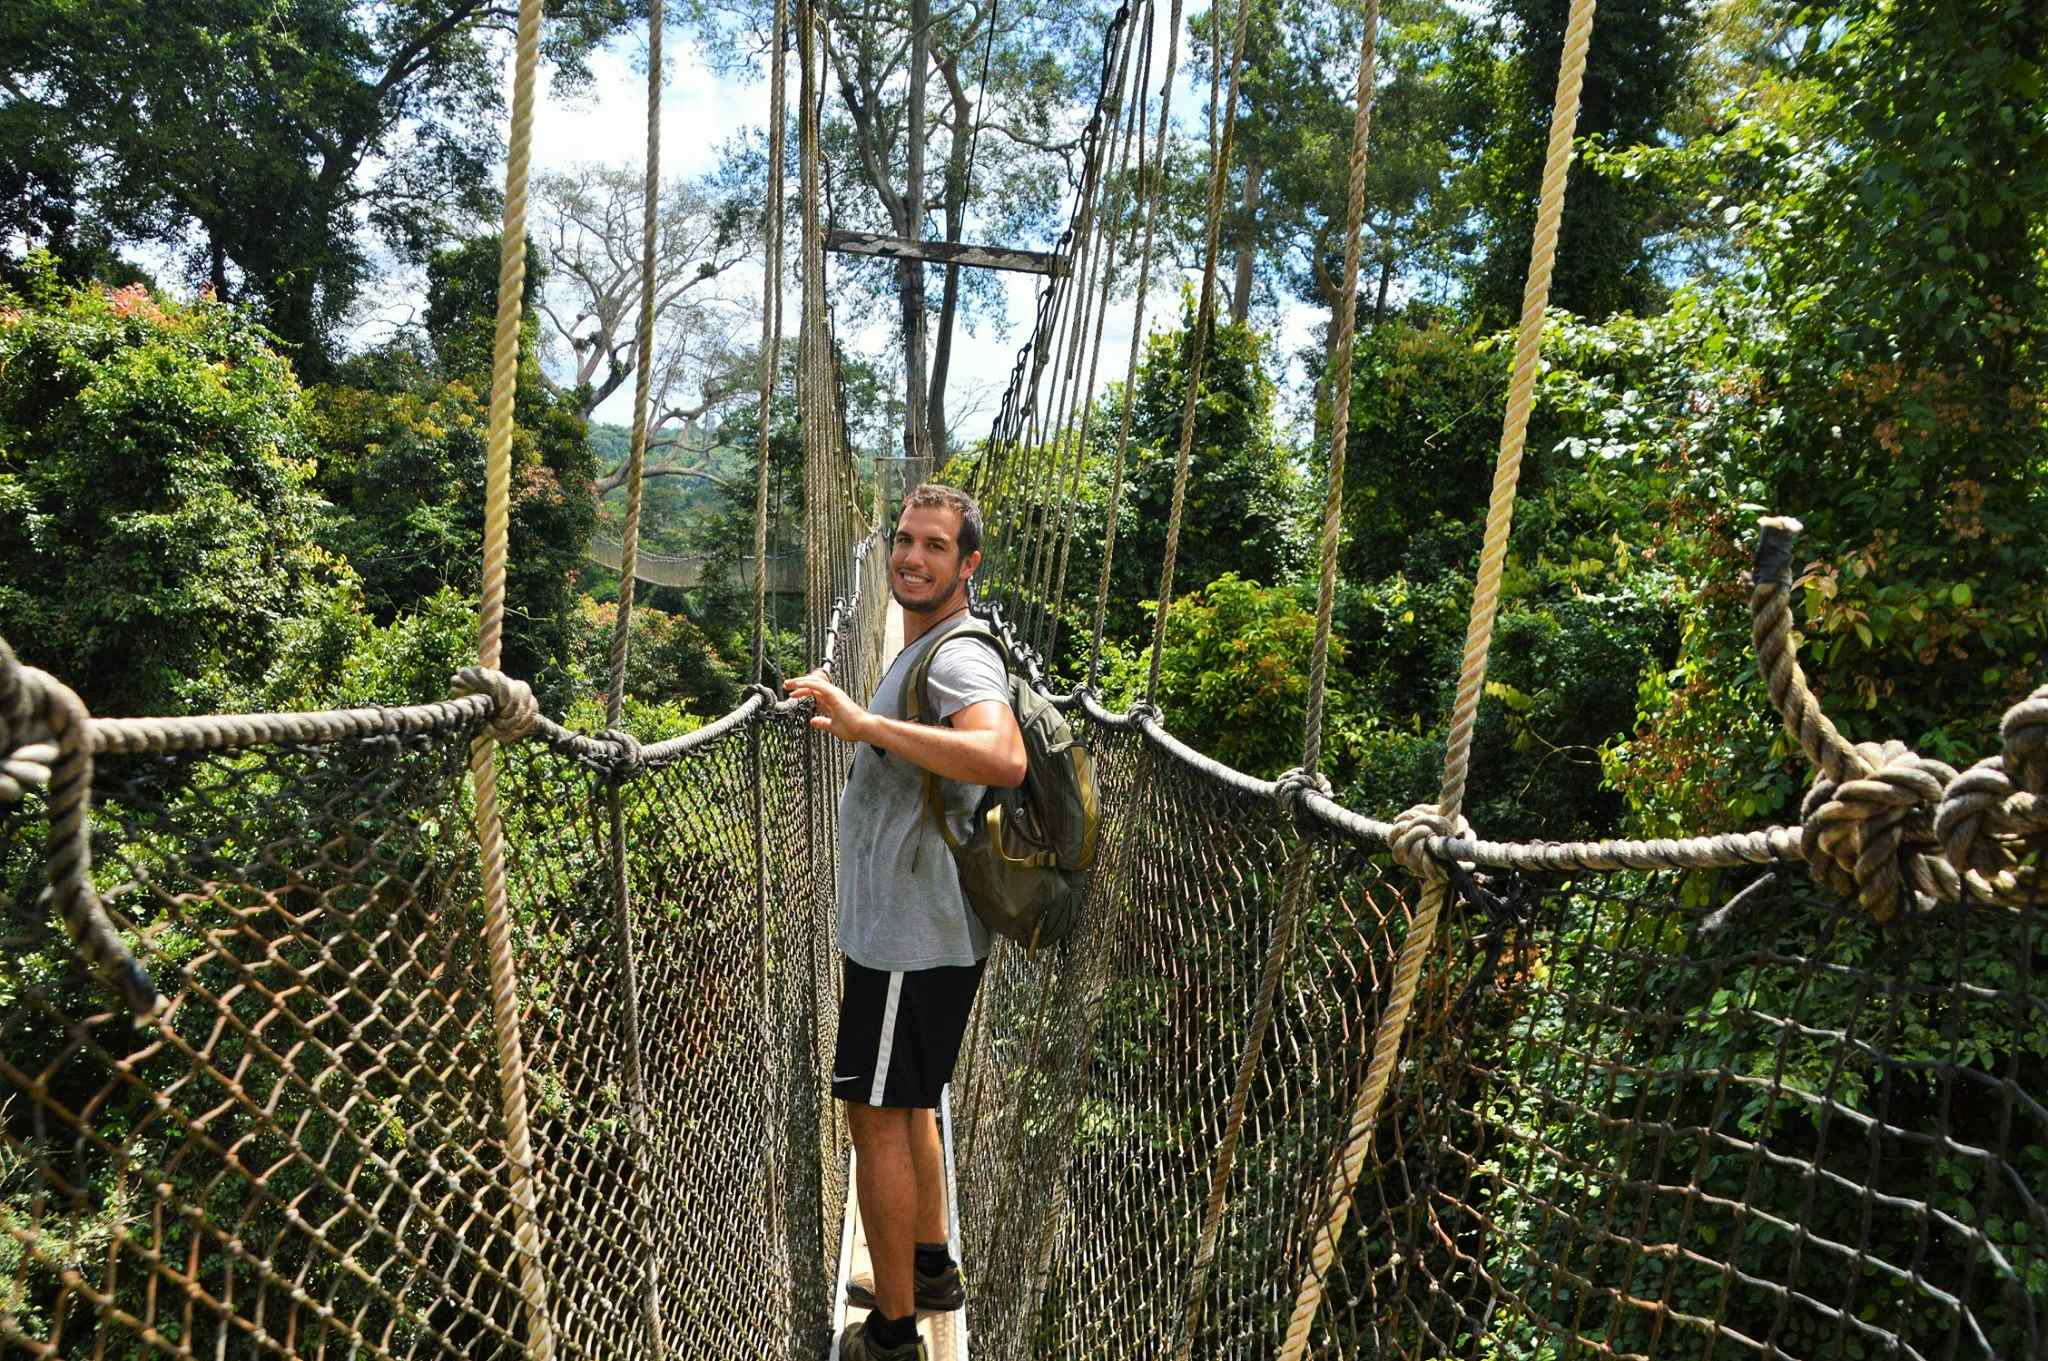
{"points": [[854, 1346], [938, 1294]]}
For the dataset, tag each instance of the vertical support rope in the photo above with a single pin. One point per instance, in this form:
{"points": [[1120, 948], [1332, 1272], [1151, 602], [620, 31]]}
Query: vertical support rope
{"points": [[643, 373], [490, 831], [816, 569], [615, 696], [1472, 675], [636, 1080], [1133, 133], [1205, 315], [1300, 873], [1281, 944], [1123, 440], [771, 323]]}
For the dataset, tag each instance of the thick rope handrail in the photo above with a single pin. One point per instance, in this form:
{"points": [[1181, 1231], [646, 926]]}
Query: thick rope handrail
{"points": [[490, 831], [1472, 673], [231, 732], [1893, 829]]}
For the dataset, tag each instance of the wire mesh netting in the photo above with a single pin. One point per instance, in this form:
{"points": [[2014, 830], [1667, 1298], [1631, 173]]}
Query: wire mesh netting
{"points": [[1639, 1115], [1640, 1127]]}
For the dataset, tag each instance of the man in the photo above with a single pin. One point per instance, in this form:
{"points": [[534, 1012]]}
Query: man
{"points": [[913, 949]]}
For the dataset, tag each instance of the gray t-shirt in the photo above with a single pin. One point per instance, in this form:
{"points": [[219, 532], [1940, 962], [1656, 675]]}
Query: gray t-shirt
{"points": [[900, 904]]}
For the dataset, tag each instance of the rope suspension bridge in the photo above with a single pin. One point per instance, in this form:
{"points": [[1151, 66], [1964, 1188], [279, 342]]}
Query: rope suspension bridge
{"points": [[447, 1031]]}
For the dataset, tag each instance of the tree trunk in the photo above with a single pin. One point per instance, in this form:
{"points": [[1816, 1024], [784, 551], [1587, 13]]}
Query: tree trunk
{"points": [[1247, 240], [917, 443], [219, 256], [949, 298], [1379, 306]]}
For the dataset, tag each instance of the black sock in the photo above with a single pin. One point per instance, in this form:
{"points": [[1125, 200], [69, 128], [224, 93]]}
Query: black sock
{"points": [[932, 1258], [891, 1332]]}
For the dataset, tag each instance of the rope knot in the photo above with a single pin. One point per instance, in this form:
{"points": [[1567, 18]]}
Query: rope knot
{"points": [[25, 754], [629, 747], [1413, 831], [1993, 817], [1865, 837], [1145, 711], [769, 699], [1881, 824], [2024, 732], [1294, 784], [514, 709], [23, 766]]}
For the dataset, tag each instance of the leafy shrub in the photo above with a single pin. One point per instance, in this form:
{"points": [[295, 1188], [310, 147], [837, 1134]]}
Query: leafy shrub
{"points": [[156, 511]]}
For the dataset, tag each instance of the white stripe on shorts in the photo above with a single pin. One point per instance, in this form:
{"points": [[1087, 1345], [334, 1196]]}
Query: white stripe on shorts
{"points": [[888, 1037]]}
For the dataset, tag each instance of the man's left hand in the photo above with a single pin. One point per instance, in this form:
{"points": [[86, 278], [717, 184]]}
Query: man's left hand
{"points": [[837, 712]]}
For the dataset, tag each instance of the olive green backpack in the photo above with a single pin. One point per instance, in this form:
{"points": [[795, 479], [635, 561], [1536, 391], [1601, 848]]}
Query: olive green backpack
{"points": [[1024, 865]]}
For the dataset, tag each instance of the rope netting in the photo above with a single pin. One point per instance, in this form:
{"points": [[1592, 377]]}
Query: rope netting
{"points": [[304, 1074], [306, 1154], [1641, 1114]]}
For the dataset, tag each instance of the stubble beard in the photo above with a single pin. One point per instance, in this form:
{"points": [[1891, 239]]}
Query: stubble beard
{"points": [[951, 595]]}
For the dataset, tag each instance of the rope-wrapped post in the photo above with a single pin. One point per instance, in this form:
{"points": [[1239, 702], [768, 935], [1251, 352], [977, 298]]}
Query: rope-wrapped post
{"points": [[46, 740]]}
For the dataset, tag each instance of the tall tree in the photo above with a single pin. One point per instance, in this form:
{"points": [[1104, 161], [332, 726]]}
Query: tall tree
{"points": [[1505, 69], [987, 138], [589, 232], [272, 144], [1295, 117]]}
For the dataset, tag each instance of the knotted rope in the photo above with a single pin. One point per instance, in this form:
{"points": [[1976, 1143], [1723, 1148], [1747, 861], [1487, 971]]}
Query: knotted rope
{"points": [[1414, 836], [490, 830], [1881, 823], [46, 740], [25, 759], [1365, 1110], [514, 710]]}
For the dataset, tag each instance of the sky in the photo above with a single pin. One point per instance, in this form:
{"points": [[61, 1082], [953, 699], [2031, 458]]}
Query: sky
{"points": [[701, 112]]}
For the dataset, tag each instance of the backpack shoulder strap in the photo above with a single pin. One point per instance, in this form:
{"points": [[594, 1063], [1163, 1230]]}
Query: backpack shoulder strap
{"points": [[917, 708]]}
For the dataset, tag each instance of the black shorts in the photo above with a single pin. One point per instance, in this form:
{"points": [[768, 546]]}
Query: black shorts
{"points": [[900, 1033]]}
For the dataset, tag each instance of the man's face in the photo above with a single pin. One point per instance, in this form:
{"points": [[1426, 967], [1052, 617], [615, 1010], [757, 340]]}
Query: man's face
{"points": [[926, 571]]}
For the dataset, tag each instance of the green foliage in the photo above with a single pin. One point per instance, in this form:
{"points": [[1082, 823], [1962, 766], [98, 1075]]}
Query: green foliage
{"points": [[671, 661], [403, 461], [1876, 372], [1505, 73], [157, 546], [1234, 671], [1425, 421], [238, 134], [1241, 513]]}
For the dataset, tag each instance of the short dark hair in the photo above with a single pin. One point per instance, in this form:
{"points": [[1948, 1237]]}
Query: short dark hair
{"points": [[953, 499]]}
